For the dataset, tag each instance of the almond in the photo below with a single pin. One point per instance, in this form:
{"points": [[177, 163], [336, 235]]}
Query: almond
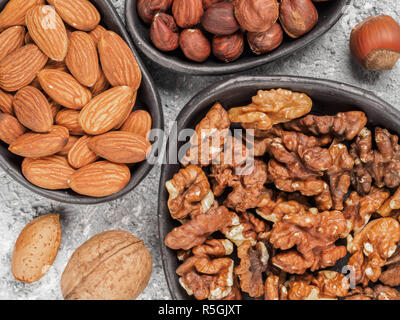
{"points": [[11, 39], [37, 145], [79, 14], [96, 33], [10, 128], [64, 89], [48, 31], [71, 141], [106, 110], [33, 110], [28, 38], [55, 108], [80, 155], [126, 115], [120, 147], [36, 84], [20, 67], [118, 61], [101, 84], [50, 173], [138, 122], [69, 119], [100, 179], [36, 248], [82, 59], [14, 12], [6, 101], [56, 65]]}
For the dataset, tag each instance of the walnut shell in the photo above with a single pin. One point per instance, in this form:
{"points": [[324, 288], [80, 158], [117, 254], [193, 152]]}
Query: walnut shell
{"points": [[113, 265], [36, 248]]}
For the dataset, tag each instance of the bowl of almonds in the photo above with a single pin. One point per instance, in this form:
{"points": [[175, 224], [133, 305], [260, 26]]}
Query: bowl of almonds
{"points": [[76, 102], [287, 189]]}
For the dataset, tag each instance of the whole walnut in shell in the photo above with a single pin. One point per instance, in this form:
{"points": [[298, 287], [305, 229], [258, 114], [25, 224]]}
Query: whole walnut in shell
{"points": [[112, 265]]}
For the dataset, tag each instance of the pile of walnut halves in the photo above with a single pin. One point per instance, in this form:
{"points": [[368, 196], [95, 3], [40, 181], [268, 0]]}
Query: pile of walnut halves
{"points": [[269, 212]]}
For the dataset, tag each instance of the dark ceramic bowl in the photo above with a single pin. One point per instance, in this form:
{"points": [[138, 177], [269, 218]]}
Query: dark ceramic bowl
{"points": [[147, 96], [329, 98], [329, 13]]}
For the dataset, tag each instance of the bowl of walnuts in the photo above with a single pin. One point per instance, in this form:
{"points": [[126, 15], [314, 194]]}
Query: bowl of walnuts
{"points": [[76, 102], [223, 36], [287, 189]]}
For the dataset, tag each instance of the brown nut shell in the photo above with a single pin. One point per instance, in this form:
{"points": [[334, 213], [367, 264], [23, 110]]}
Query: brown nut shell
{"points": [[209, 3], [194, 45], [375, 43], [36, 248], [112, 265], [298, 17], [164, 33], [220, 19], [187, 13], [148, 8], [228, 48], [263, 42], [256, 15]]}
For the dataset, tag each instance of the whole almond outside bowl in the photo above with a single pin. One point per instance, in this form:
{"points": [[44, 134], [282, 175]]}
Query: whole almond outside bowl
{"points": [[329, 14], [147, 96], [328, 97]]}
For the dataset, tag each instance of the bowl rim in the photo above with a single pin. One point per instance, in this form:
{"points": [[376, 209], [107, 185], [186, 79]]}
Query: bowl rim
{"points": [[159, 57], [109, 13], [263, 81]]}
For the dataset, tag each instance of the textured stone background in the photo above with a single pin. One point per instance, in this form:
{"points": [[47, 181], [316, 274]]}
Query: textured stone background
{"points": [[327, 58]]}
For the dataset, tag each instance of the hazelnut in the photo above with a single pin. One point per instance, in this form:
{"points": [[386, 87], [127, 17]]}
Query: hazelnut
{"points": [[164, 33], [375, 43], [194, 45], [187, 13], [148, 8], [256, 15], [220, 20], [263, 42], [298, 17], [228, 48], [209, 3]]}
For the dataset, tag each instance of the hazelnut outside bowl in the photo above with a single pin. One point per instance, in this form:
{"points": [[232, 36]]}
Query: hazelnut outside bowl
{"points": [[329, 13], [329, 98], [147, 96]]}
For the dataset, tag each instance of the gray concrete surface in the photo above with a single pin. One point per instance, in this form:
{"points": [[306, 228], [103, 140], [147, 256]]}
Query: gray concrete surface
{"points": [[327, 58]]}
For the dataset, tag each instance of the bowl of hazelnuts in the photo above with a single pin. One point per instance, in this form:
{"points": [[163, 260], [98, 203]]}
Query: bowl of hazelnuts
{"points": [[226, 36]]}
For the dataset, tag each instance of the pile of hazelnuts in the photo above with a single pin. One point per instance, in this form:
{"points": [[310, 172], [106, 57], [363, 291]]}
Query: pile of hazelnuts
{"points": [[189, 24]]}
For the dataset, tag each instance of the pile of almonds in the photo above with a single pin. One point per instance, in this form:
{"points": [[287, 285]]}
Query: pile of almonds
{"points": [[226, 23], [68, 88]]}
